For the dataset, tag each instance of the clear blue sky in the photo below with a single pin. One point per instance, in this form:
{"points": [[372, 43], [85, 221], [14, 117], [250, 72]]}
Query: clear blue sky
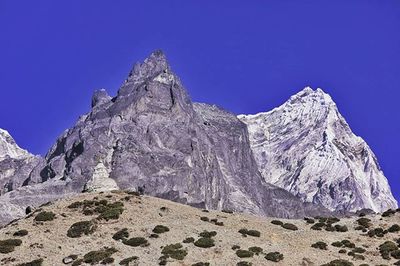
{"points": [[246, 56]]}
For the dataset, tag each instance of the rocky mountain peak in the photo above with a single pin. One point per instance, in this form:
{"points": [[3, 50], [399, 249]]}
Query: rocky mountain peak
{"points": [[9, 148], [306, 147]]}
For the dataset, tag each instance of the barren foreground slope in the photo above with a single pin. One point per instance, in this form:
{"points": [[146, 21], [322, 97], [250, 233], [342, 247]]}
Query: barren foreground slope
{"points": [[120, 228]]}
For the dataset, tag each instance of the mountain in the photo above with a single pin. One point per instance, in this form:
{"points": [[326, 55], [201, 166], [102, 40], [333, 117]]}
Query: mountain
{"points": [[151, 138], [306, 147], [153, 231]]}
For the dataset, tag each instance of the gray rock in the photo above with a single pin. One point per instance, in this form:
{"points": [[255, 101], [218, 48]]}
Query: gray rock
{"points": [[151, 138]]}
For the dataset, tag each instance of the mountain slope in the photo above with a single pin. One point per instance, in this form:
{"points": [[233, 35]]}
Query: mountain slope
{"points": [[306, 147], [151, 138], [51, 239]]}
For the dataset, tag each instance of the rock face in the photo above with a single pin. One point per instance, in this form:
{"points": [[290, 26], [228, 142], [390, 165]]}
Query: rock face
{"points": [[153, 139], [306, 147]]}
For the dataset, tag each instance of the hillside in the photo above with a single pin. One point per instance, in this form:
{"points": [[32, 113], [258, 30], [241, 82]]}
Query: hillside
{"points": [[45, 235]]}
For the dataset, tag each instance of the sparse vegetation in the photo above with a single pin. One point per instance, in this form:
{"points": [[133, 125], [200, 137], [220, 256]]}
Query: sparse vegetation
{"points": [[204, 242], [394, 228], [244, 253], [121, 234], [127, 261], [339, 262], [274, 256], [174, 251], [276, 222], [201, 264], [37, 262], [290, 226], [320, 245], [99, 256], [246, 232], [136, 242], [159, 229], [22, 232], [244, 263], [45, 216], [208, 234], [81, 228], [256, 250], [387, 248], [188, 240], [365, 222], [8, 245]]}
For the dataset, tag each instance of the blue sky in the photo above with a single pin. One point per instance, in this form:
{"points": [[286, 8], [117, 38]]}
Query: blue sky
{"points": [[246, 56]]}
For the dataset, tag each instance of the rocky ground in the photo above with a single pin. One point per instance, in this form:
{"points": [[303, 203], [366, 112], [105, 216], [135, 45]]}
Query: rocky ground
{"points": [[121, 228]]}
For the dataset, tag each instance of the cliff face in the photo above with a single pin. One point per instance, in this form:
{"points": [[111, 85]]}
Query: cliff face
{"points": [[153, 139], [306, 147]]}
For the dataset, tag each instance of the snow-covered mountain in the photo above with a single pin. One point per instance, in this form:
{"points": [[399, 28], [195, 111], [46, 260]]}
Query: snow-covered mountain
{"points": [[9, 148], [306, 147]]}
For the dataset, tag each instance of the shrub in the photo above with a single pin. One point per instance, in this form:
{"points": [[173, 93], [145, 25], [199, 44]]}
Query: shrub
{"points": [[94, 257], [364, 222], [188, 240], [378, 232], [121, 234], [208, 234], [342, 251], [204, 242], [174, 251], [358, 250], [276, 222], [309, 220], [22, 232], [394, 228], [341, 228], [337, 244], [290, 226], [37, 262], [201, 264], [159, 229], [339, 262], [154, 236], [204, 219], [386, 248], [8, 245], [256, 250], [318, 226], [395, 254], [246, 232], [274, 256], [244, 253], [388, 213], [219, 223], [227, 211], [235, 247], [45, 216], [346, 243], [136, 242], [244, 263], [81, 228], [332, 220], [127, 261], [107, 260], [111, 211], [320, 245]]}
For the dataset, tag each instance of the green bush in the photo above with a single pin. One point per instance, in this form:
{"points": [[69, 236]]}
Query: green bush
{"points": [[378, 232], [364, 222], [8, 245], [244, 253], [81, 228], [208, 234], [339, 262], [346, 243], [94, 257], [22, 232], [395, 254], [235, 247], [274, 256], [107, 260], [276, 222], [394, 228], [318, 226], [244, 263], [188, 240], [45, 216], [111, 211], [342, 251], [154, 236], [290, 226], [136, 242], [174, 251], [37, 262], [204, 219], [227, 211], [309, 220], [127, 261], [341, 228], [256, 250], [204, 242], [386, 248], [388, 213], [320, 245], [159, 229], [121, 234], [337, 244], [246, 232], [359, 250], [201, 264]]}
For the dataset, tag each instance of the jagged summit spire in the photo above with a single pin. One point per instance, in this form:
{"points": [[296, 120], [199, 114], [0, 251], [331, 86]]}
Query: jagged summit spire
{"points": [[308, 94], [153, 65]]}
